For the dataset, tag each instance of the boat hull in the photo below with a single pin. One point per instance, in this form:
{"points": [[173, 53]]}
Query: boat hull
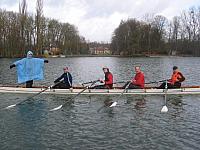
{"points": [[149, 91]]}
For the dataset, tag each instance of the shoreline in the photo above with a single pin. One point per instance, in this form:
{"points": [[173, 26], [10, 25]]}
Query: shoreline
{"points": [[121, 56]]}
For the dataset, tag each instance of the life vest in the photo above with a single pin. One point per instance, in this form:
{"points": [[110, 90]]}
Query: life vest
{"points": [[109, 79], [177, 77], [139, 80]]}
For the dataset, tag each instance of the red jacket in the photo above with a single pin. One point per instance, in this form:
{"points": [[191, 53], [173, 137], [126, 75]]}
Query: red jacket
{"points": [[139, 79], [109, 79]]}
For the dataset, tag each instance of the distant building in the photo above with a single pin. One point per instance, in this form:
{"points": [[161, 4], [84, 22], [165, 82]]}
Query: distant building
{"points": [[54, 51], [100, 51]]}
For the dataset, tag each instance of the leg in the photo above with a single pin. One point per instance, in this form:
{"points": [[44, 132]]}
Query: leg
{"points": [[169, 86], [162, 86], [177, 85], [29, 84], [61, 85], [132, 86], [99, 87]]}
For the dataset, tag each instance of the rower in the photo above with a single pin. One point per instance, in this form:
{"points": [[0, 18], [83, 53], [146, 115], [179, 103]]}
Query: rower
{"points": [[66, 83], [175, 81], [29, 69], [138, 81], [108, 82]]}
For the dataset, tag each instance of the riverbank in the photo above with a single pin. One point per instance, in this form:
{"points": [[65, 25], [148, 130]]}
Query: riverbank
{"points": [[138, 55]]}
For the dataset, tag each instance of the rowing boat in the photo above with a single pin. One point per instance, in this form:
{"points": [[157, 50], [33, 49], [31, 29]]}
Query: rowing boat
{"points": [[115, 91]]}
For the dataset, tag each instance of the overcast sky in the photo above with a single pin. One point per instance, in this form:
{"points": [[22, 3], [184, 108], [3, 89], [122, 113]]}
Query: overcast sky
{"points": [[97, 19]]}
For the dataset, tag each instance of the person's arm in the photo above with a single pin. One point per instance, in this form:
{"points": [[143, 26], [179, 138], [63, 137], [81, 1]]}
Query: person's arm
{"points": [[58, 79], [182, 77], [69, 76], [133, 80], [46, 61], [13, 65]]}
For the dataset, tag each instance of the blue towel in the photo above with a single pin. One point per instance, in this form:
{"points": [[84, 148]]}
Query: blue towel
{"points": [[29, 69]]}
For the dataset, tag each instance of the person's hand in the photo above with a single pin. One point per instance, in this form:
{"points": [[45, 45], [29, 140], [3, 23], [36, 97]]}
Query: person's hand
{"points": [[11, 66], [133, 80], [102, 81]]}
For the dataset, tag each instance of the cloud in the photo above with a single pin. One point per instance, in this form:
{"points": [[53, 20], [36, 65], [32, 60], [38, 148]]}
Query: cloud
{"points": [[97, 19]]}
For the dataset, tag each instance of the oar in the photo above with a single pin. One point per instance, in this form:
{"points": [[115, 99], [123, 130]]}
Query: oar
{"points": [[59, 107], [90, 82], [164, 108], [119, 82], [156, 81], [11, 106], [106, 104], [115, 103]]}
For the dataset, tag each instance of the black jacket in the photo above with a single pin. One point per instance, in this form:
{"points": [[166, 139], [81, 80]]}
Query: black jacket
{"points": [[67, 79]]}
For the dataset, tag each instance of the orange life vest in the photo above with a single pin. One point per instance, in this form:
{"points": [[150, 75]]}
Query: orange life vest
{"points": [[177, 77]]}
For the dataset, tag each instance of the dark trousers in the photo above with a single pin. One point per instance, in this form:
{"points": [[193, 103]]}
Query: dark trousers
{"points": [[101, 87], [61, 85], [170, 86], [29, 84], [131, 86]]}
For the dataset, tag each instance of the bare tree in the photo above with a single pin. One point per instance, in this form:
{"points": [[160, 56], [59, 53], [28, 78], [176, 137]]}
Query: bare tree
{"points": [[38, 24], [22, 20]]}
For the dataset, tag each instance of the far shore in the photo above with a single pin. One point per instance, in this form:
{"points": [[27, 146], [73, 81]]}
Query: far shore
{"points": [[88, 55]]}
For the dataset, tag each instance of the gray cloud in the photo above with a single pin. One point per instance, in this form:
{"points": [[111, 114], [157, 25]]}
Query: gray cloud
{"points": [[7, 2]]}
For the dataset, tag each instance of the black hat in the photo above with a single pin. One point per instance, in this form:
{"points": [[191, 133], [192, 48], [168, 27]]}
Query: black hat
{"points": [[175, 67]]}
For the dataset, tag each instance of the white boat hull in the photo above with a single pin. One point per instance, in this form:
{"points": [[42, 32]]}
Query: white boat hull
{"points": [[181, 91]]}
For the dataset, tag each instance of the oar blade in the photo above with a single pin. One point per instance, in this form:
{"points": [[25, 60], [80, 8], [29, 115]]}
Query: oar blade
{"points": [[164, 109], [11, 106], [57, 108], [113, 104]]}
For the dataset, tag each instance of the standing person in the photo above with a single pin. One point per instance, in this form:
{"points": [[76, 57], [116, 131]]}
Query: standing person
{"points": [[107, 82], [66, 83], [176, 79], [29, 69], [138, 81]]}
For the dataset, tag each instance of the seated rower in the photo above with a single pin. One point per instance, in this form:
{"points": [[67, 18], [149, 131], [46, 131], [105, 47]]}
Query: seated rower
{"points": [[108, 82], [138, 81], [175, 81], [66, 83]]}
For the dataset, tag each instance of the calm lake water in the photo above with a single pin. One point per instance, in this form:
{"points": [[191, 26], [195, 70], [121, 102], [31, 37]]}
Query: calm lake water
{"points": [[135, 124]]}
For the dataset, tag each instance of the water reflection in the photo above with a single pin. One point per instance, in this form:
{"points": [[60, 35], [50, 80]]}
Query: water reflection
{"points": [[140, 103], [175, 104], [106, 106]]}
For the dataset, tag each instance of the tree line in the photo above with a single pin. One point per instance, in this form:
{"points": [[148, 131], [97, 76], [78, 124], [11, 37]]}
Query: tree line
{"points": [[22, 31], [159, 35]]}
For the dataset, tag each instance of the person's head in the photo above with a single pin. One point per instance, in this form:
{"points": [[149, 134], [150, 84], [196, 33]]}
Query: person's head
{"points": [[175, 69], [105, 70], [137, 69], [66, 69], [29, 54]]}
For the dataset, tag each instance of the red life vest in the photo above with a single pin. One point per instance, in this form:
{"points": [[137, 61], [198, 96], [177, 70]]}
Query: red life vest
{"points": [[139, 80], [109, 79]]}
